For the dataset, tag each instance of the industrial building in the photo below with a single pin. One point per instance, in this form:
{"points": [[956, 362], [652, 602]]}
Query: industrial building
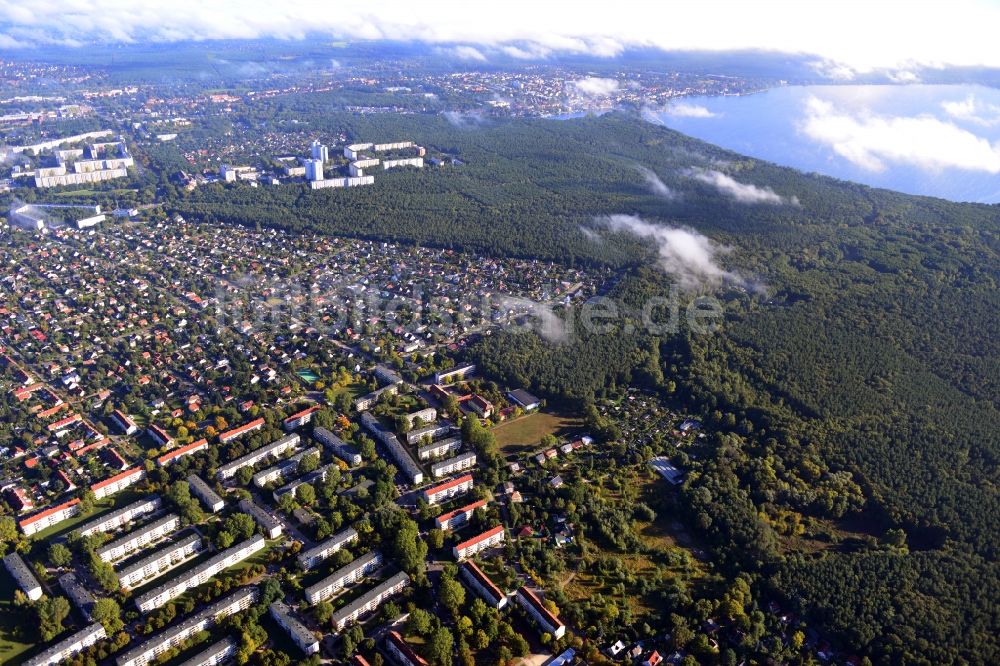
{"points": [[307, 559], [147, 651], [158, 596], [352, 572]]}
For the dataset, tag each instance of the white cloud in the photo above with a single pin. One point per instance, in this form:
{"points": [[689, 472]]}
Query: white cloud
{"points": [[463, 52], [656, 186], [593, 86], [526, 51], [741, 192], [973, 110], [683, 110], [465, 118], [903, 76], [685, 254], [870, 141]]}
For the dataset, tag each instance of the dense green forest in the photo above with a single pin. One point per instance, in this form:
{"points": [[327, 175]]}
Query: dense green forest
{"points": [[860, 394]]}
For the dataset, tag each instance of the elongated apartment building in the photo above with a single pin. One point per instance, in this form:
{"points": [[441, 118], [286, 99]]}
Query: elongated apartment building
{"points": [[417, 435], [310, 558], [401, 651], [177, 454], [459, 463], [78, 594], [136, 539], [122, 516], [404, 461], [69, 646], [298, 632], [458, 517], [118, 482], [482, 585], [331, 586], [541, 615], [337, 446], [160, 595], [235, 433], [204, 492], [147, 651], [213, 655], [49, 517], [267, 521], [275, 448], [23, 576], [160, 561], [282, 470], [369, 601], [477, 544], [447, 490]]}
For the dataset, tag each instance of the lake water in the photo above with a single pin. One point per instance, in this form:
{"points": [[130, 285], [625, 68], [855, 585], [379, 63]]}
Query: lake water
{"points": [[941, 141]]}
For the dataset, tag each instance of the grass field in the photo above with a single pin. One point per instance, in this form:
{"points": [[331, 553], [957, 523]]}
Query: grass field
{"points": [[525, 432]]}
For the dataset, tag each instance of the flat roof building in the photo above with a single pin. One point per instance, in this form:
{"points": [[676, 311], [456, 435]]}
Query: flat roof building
{"points": [[440, 448], [337, 446], [404, 461], [69, 646], [160, 561], [136, 539], [147, 651], [309, 558], [298, 632], [122, 516], [23, 576], [269, 524], [283, 469], [213, 655], [160, 595], [77, 593], [352, 572], [369, 601], [204, 492], [459, 463], [275, 448]]}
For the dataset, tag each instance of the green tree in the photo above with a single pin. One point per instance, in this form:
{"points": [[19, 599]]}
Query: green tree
{"points": [[59, 555], [440, 646], [108, 612]]}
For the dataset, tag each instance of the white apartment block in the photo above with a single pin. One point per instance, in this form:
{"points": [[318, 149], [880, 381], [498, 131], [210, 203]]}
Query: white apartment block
{"points": [[482, 585], [202, 491], [283, 469], [445, 491], [275, 448], [136, 539], [298, 632], [369, 601], [267, 521], [123, 516], [459, 516], [158, 596], [459, 463], [477, 544], [416, 435], [398, 145], [337, 446], [49, 517], [148, 651], [159, 562], [424, 416], [69, 646], [309, 558], [438, 449], [215, 654], [118, 482], [406, 161], [23, 576], [331, 586]]}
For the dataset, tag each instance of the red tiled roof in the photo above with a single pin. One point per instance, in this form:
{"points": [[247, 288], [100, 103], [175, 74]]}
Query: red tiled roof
{"points": [[405, 648], [182, 451], [256, 423], [116, 477], [448, 484], [444, 517], [482, 537], [482, 579], [48, 512]]}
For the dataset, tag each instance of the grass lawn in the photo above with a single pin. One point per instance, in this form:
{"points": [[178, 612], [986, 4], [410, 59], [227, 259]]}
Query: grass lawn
{"points": [[525, 432], [10, 619]]}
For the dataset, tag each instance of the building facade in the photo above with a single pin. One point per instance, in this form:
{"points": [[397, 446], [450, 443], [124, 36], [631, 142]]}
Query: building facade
{"points": [[477, 544]]}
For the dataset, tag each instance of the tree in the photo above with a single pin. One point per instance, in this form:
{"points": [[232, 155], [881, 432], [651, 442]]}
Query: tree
{"points": [[50, 614], [306, 494], [439, 647], [451, 594], [223, 539], [88, 500], [435, 538], [241, 526], [308, 463], [60, 555], [323, 612], [419, 622], [108, 612]]}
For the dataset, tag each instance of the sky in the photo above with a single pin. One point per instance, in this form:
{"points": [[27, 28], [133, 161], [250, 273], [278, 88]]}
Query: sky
{"points": [[846, 36]]}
